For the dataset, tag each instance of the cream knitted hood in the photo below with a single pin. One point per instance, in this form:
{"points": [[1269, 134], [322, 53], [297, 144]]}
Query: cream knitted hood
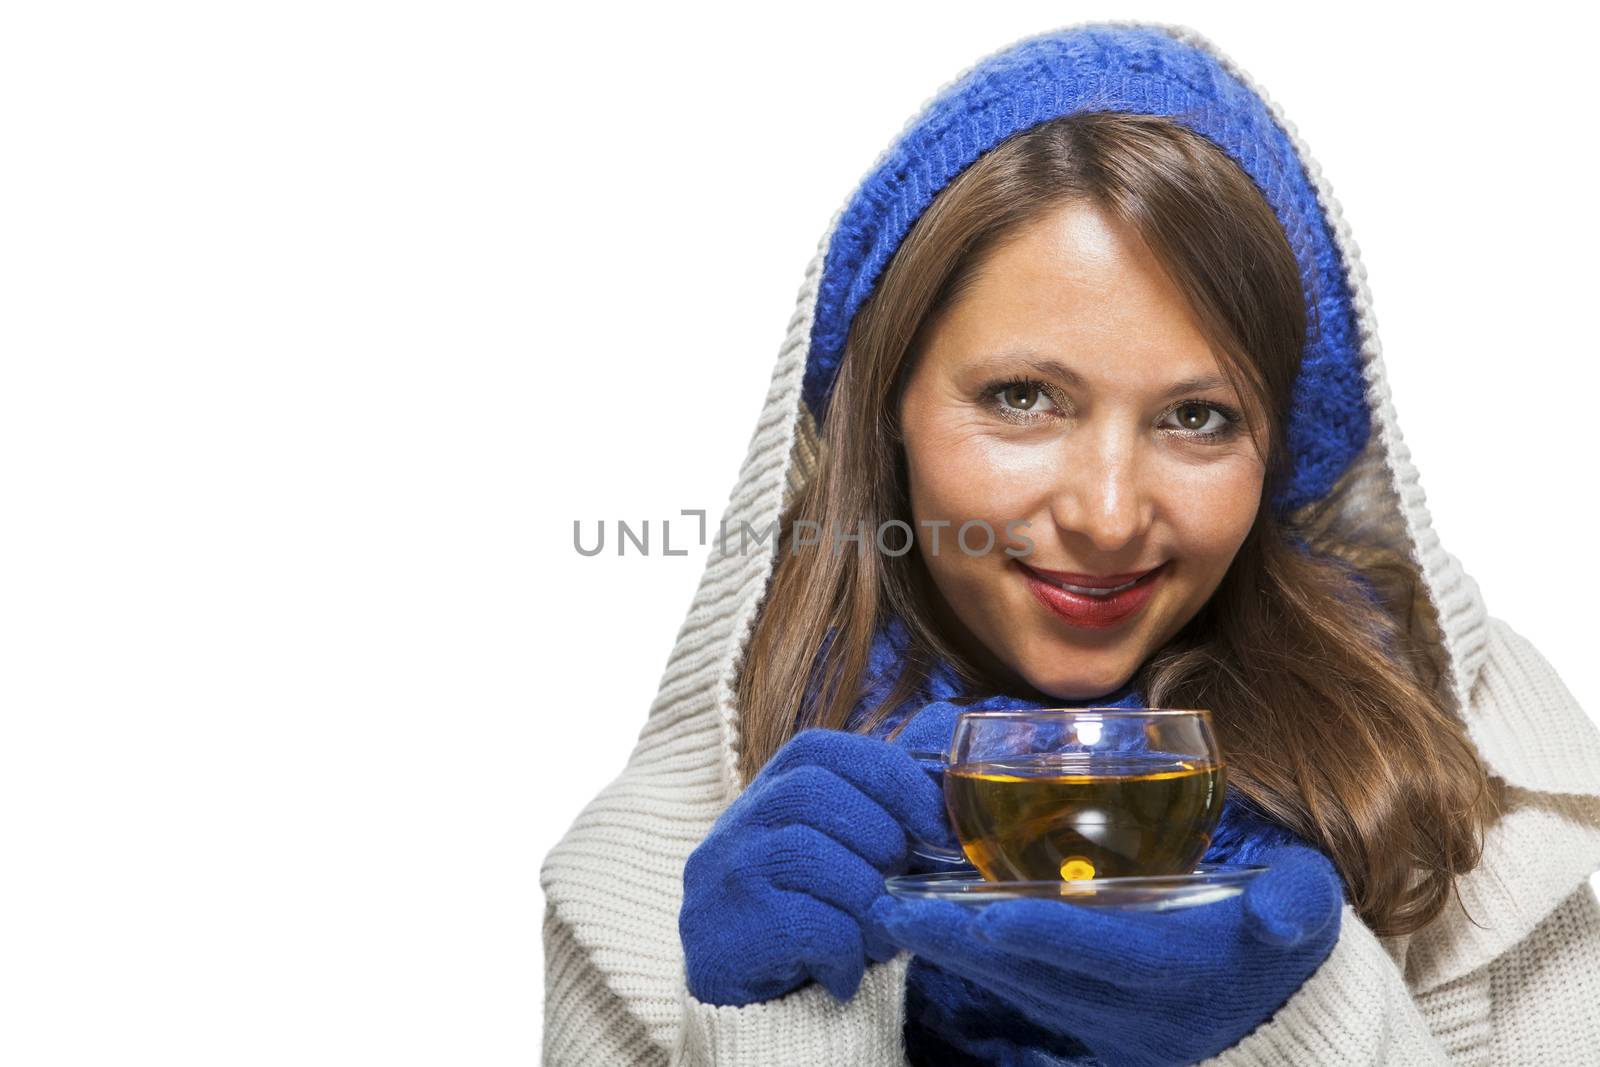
{"points": [[682, 772]]}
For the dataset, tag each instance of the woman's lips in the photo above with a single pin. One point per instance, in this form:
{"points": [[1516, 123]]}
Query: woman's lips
{"points": [[1092, 581], [1082, 609]]}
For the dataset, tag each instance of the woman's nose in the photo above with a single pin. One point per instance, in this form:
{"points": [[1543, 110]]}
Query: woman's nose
{"points": [[1102, 492]]}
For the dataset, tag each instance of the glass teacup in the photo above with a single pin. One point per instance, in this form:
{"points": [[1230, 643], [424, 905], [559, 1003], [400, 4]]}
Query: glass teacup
{"points": [[1079, 793]]}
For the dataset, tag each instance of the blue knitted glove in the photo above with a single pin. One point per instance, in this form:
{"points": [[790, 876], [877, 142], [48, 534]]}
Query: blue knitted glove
{"points": [[930, 730], [777, 892], [1140, 988]]}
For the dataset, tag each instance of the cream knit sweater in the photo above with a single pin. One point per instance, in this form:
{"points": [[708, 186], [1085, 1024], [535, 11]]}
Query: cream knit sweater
{"points": [[1521, 987]]}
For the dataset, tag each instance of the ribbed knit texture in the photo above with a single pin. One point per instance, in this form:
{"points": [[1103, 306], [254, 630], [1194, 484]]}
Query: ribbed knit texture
{"points": [[1545, 994], [833, 1034], [614, 968], [1459, 1014]]}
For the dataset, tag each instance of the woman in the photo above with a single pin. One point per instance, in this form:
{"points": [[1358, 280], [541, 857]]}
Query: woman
{"points": [[1094, 319]]}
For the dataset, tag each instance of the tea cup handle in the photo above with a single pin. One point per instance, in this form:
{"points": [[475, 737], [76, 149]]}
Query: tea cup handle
{"points": [[935, 763]]}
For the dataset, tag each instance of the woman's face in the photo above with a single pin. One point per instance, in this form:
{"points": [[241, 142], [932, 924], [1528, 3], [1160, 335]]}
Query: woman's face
{"points": [[1064, 390]]}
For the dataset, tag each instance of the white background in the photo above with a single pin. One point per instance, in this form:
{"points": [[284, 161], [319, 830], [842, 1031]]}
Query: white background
{"points": [[322, 322]]}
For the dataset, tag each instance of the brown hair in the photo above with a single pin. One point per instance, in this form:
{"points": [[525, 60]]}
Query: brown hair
{"points": [[1325, 700]]}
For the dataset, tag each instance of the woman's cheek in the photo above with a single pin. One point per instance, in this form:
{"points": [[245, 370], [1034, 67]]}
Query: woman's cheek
{"points": [[1214, 507], [974, 475]]}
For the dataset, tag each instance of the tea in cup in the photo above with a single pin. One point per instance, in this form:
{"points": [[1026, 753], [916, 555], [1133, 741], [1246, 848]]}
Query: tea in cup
{"points": [[1069, 794]]}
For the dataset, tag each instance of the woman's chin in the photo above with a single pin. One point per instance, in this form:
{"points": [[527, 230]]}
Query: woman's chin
{"points": [[1077, 689]]}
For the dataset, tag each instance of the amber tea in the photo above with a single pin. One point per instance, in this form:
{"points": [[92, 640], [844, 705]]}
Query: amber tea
{"points": [[1059, 815]]}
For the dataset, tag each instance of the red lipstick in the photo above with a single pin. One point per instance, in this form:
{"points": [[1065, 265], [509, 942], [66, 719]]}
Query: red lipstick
{"points": [[1087, 610]]}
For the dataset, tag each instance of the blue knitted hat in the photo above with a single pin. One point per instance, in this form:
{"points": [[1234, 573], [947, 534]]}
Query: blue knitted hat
{"points": [[1111, 67]]}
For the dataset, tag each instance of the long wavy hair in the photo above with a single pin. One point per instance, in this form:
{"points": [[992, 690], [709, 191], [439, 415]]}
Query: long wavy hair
{"points": [[1311, 653]]}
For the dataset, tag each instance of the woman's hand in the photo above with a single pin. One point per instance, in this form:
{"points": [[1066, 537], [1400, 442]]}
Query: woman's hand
{"points": [[1140, 988], [778, 891], [930, 730]]}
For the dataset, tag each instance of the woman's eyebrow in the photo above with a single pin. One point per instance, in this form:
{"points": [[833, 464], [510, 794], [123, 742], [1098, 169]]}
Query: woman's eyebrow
{"points": [[1056, 369]]}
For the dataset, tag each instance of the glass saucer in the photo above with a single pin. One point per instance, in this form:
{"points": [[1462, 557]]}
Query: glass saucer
{"points": [[1206, 884]]}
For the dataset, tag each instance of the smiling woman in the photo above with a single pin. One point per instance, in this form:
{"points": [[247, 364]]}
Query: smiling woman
{"points": [[1095, 330], [1095, 295]]}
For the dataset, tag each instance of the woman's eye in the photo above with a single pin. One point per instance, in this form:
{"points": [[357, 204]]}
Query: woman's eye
{"points": [[1024, 397], [1204, 420]]}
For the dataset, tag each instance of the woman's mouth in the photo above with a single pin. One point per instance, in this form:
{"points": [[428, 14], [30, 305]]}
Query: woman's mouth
{"points": [[1094, 607]]}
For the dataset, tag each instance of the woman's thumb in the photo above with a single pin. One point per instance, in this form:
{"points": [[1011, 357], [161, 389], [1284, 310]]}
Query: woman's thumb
{"points": [[1294, 899]]}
